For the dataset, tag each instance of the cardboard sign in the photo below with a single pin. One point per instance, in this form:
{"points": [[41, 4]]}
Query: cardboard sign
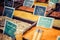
{"points": [[10, 28], [58, 38], [9, 3], [45, 22], [8, 11], [28, 3], [58, 7], [39, 10]]}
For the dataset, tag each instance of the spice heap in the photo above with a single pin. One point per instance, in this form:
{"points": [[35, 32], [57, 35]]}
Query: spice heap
{"points": [[4, 37]]}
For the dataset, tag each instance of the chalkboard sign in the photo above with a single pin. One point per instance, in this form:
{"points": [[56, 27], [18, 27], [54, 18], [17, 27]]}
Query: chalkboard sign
{"points": [[39, 10], [28, 3], [10, 28], [54, 1], [9, 3], [8, 11], [58, 7], [45, 22]]}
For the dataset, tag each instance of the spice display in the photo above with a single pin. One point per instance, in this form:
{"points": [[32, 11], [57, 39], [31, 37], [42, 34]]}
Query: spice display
{"points": [[22, 26], [55, 14], [2, 20], [4, 37]]}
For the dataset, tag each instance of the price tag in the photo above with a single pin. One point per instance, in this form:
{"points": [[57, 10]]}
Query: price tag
{"points": [[28, 3], [39, 10], [45, 22], [10, 28], [8, 11]]}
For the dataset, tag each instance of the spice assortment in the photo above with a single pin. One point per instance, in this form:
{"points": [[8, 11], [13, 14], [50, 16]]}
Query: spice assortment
{"points": [[22, 26], [17, 18], [4, 37], [2, 20], [55, 14]]}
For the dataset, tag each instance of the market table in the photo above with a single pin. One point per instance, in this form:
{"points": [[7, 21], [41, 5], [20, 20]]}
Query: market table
{"points": [[48, 34], [30, 16]]}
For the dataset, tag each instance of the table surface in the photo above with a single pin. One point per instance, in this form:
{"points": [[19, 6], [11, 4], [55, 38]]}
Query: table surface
{"points": [[30, 16], [32, 9], [48, 34]]}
